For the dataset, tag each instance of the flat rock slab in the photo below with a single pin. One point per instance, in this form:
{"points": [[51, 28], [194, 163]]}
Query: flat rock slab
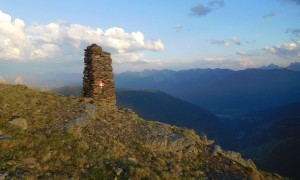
{"points": [[20, 122], [5, 137]]}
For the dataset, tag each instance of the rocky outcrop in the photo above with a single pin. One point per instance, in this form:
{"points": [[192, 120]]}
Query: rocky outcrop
{"points": [[234, 156], [4, 137], [89, 114], [3, 175], [98, 80], [19, 122]]}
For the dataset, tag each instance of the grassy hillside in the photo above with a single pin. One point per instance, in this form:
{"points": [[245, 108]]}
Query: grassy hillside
{"points": [[157, 105], [43, 135]]}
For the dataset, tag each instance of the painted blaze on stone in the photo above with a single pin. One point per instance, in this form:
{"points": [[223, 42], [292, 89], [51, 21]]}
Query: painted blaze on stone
{"points": [[98, 79]]}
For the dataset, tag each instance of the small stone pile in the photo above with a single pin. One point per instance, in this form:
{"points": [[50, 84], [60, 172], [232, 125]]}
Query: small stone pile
{"points": [[98, 80]]}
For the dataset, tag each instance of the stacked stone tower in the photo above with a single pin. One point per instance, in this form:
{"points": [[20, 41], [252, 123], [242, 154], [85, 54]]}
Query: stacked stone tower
{"points": [[98, 80]]}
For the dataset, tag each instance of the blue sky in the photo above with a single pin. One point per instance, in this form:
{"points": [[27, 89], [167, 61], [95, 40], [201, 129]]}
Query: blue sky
{"points": [[49, 36]]}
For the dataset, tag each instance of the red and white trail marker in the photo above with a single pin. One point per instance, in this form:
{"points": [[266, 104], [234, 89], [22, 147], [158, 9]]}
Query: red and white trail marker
{"points": [[101, 84]]}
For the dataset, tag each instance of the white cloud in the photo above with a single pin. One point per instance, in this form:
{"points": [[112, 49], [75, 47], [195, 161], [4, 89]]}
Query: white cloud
{"points": [[220, 42], [44, 51], [230, 63], [247, 63], [4, 17], [12, 36], [128, 57], [133, 58], [178, 27], [288, 50], [236, 41], [61, 40], [215, 59], [155, 45]]}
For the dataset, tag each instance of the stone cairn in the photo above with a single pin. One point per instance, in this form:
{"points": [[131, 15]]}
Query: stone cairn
{"points": [[98, 80]]}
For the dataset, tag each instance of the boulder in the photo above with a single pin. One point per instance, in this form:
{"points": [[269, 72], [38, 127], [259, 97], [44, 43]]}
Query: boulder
{"points": [[19, 122], [234, 156], [5, 137], [3, 175]]}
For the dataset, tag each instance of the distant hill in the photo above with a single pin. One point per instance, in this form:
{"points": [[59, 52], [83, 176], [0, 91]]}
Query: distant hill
{"points": [[47, 136], [272, 138], [69, 91], [171, 81], [250, 90], [294, 66], [270, 67], [46, 80], [156, 105], [132, 79], [225, 92]]}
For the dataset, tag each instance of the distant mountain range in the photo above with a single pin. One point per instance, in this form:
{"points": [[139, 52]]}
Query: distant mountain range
{"points": [[270, 67], [295, 66], [225, 92], [52, 80]]}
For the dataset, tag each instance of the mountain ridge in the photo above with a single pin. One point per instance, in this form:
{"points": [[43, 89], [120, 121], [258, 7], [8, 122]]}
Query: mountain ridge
{"points": [[225, 91], [52, 80], [44, 135], [159, 106]]}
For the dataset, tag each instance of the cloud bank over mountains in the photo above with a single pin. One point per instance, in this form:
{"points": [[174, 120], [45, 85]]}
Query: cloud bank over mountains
{"points": [[57, 41], [288, 50]]}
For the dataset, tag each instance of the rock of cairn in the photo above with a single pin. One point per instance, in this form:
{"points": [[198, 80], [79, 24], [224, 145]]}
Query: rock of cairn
{"points": [[98, 79]]}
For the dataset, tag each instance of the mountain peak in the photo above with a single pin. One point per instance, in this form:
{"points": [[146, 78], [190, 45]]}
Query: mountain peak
{"points": [[270, 67], [295, 66]]}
